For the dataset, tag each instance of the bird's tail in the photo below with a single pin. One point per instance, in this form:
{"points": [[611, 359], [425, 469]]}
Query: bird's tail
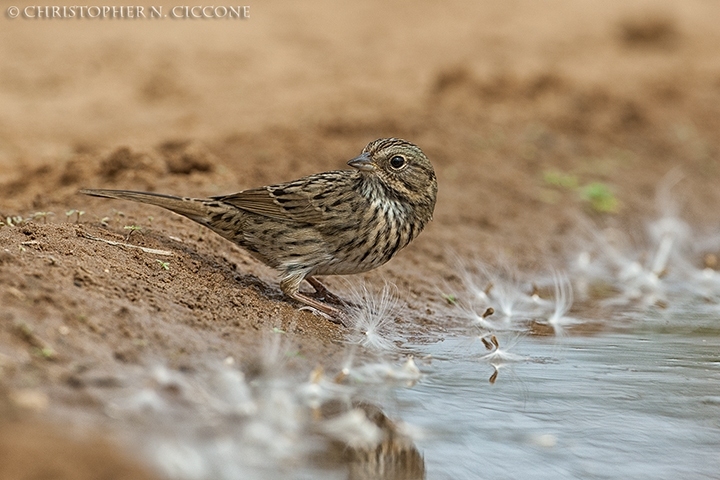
{"points": [[193, 208]]}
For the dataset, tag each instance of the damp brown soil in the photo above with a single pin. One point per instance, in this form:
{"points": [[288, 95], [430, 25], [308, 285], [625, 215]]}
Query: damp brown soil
{"points": [[518, 106]]}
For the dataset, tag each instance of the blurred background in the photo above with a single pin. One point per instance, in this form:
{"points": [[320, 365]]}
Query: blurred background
{"points": [[70, 82], [544, 120]]}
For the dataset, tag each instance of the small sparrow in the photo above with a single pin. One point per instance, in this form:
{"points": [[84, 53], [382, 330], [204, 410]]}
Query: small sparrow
{"points": [[331, 223]]}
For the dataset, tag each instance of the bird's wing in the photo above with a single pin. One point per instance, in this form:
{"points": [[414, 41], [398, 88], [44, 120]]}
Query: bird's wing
{"points": [[299, 201]]}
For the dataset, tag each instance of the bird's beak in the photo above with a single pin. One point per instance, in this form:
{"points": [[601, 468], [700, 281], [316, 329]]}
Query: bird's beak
{"points": [[363, 163]]}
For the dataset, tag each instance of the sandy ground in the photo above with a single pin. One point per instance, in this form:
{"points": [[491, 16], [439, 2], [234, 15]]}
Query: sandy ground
{"points": [[504, 97]]}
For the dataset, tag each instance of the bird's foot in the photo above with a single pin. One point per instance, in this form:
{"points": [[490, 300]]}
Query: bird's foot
{"points": [[322, 291], [318, 308], [318, 313]]}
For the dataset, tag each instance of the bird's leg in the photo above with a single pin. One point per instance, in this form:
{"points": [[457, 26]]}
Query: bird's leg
{"points": [[326, 294], [290, 285], [322, 290], [331, 313]]}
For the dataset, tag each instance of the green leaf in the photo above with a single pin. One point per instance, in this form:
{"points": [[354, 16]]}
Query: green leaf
{"points": [[601, 198]]}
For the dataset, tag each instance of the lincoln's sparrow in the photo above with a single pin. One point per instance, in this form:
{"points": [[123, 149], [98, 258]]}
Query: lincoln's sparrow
{"points": [[331, 223]]}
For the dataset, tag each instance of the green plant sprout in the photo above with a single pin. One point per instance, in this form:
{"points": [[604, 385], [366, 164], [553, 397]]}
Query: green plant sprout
{"points": [[560, 179], [14, 221], [70, 213], [600, 197], [597, 194], [164, 265], [131, 229], [47, 353], [42, 215], [450, 298]]}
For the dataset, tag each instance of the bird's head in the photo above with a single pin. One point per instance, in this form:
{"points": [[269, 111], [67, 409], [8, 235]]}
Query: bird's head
{"points": [[402, 169]]}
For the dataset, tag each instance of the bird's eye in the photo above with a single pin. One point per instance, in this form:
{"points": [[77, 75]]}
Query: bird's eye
{"points": [[397, 161]]}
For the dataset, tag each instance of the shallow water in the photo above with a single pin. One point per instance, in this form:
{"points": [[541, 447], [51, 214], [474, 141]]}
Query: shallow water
{"points": [[641, 401], [640, 404]]}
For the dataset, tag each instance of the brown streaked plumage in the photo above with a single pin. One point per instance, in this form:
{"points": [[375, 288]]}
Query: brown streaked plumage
{"points": [[331, 223]]}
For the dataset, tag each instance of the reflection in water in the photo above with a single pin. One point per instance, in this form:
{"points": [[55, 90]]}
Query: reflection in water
{"points": [[216, 423], [393, 457], [645, 403], [499, 357]]}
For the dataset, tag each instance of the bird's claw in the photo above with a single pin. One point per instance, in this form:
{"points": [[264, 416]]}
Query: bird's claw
{"points": [[338, 318]]}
